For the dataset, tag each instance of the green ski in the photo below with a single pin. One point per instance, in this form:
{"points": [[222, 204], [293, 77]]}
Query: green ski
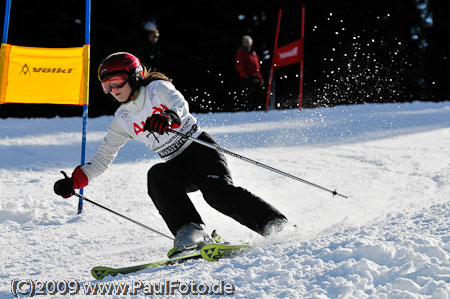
{"points": [[209, 252], [101, 272], [214, 252]]}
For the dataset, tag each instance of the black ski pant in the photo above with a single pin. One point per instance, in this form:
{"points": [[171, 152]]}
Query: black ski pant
{"points": [[201, 168]]}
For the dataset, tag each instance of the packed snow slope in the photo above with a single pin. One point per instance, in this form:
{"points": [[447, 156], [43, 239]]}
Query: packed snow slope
{"points": [[389, 239]]}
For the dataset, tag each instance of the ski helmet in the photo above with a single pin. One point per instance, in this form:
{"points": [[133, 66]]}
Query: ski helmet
{"points": [[122, 63]]}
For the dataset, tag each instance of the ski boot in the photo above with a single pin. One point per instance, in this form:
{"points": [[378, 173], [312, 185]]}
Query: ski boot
{"points": [[191, 237], [275, 226]]}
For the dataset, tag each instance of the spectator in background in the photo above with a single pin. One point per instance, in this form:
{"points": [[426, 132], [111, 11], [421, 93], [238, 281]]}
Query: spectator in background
{"points": [[247, 65], [149, 50]]}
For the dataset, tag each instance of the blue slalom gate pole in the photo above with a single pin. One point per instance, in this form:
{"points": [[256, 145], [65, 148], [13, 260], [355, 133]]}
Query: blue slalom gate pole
{"points": [[87, 34], [6, 22], [83, 152]]}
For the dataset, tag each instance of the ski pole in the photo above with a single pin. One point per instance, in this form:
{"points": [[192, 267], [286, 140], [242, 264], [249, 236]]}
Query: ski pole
{"points": [[213, 146], [129, 219]]}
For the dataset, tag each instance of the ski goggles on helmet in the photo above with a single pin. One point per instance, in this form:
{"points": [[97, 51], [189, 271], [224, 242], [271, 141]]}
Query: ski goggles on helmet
{"points": [[114, 81]]}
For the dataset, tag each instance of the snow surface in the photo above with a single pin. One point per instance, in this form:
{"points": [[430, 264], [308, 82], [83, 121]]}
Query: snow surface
{"points": [[389, 239]]}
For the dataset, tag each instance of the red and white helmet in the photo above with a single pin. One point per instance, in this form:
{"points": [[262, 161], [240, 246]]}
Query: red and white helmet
{"points": [[122, 63]]}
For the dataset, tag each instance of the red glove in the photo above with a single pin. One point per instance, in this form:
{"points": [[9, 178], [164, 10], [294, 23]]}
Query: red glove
{"points": [[159, 123]]}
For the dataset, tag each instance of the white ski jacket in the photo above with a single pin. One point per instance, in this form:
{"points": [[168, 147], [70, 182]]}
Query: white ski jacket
{"points": [[129, 121]]}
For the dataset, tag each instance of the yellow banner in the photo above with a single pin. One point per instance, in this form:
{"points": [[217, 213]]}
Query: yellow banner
{"points": [[44, 75]]}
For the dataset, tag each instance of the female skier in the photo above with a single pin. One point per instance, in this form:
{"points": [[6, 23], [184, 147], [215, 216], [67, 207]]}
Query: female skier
{"points": [[151, 104]]}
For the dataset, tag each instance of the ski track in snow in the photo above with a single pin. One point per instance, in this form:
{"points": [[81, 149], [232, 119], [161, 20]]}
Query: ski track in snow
{"points": [[389, 239]]}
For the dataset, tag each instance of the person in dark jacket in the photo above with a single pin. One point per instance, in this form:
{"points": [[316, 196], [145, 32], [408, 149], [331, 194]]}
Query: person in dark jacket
{"points": [[149, 50]]}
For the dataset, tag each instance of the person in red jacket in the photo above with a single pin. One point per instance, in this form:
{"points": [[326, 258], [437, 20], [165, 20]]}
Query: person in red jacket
{"points": [[247, 65]]}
